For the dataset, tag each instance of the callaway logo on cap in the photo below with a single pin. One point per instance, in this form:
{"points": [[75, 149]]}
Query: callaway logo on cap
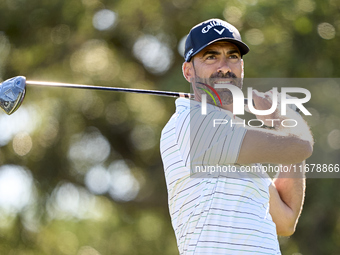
{"points": [[211, 31]]}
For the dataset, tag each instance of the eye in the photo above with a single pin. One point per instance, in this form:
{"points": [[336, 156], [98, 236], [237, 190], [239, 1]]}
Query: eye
{"points": [[211, 57], [234, 56]]}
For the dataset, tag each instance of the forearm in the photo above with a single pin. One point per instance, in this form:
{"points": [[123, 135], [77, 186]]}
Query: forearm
{"points": [[293, 131], [288, 190], [290, 124], [290, 187]]}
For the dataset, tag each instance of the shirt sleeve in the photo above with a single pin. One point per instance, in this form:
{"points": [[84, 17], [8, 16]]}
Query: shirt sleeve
{"points": [[211, 139]]}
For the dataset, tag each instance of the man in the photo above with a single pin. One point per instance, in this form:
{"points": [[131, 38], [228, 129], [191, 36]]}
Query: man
{"points": [[230, 212]]}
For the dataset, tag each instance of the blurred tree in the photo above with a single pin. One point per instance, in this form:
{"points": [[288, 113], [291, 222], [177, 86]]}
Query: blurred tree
{"points": [[90, 160]]}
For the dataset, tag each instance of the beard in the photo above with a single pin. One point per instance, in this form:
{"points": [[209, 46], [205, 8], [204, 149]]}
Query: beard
{"points": [[201, 85]]}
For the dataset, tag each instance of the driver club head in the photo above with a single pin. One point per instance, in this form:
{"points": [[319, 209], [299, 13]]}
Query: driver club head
{"points": [[12, 93]]}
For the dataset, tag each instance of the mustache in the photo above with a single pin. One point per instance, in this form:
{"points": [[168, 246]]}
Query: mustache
{"points": [[223, 75], [213, 77]]}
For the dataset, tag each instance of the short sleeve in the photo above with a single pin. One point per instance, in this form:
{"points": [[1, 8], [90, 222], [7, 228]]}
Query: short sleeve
{"points": [[211, 139]]}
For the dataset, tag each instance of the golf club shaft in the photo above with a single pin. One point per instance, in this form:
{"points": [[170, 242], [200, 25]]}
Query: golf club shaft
{"points": [[82, 86], [140, 91]]}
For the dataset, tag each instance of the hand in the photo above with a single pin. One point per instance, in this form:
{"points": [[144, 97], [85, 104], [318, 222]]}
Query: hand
{"points": [[263, 101]]}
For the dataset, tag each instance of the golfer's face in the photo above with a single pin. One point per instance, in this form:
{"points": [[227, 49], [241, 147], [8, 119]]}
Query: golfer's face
{"points": [[219, 59], [221, 63]]}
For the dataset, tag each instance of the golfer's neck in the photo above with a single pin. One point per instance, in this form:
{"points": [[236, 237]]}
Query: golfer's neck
{"points": [[227, 107]]}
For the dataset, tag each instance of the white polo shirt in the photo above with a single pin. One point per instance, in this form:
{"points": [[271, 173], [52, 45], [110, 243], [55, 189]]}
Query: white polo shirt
{"points": [[219, 213]]}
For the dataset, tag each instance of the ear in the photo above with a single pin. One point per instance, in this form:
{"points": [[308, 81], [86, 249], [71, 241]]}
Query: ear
{"points": [[188, 71]]}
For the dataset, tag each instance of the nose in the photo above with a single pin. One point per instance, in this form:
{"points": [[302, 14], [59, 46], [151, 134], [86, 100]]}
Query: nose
{"points": [[224, 66]]}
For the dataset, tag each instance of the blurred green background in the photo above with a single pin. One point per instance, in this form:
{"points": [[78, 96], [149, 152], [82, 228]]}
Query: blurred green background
{"points": [[80, 171]]}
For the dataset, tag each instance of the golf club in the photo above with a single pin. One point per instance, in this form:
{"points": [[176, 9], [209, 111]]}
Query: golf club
{"points": [[12, 91]]}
